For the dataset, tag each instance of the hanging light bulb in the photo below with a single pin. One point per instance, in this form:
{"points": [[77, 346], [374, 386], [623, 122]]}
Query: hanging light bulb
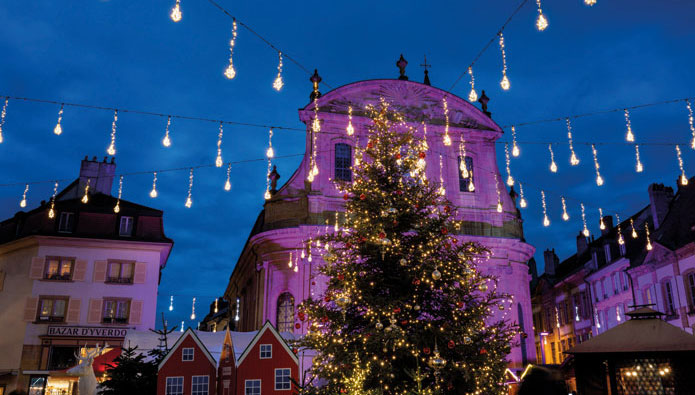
{"points": [[601, 224], [166, 141], [447, 139], [216, 305], [3, 114], [350, 130], [153, 192], [649, 241], [599, 179], [176, 12], [541, 22], [85, 197], [189, 200], [565, 216], [691, 122], [621, 241], [499, 195], [574, 161], [51, 211], [289, 263], [472, 96], [505, 81], [632, 225], [590, 2], [471, 187], [193, 310], [228, 183], [683, 178], [522, 200], [638, 167], [171, 303], [628, 136], [553, 165], [230, 72], [181, 330], [510, 179], [117, 208], [112, 147], [303, 255], [23, 202], [585, 231], [546, 220], [270, 153], [218, 160], [277, 84], [515, 148], [442, 190], [58, 129]]}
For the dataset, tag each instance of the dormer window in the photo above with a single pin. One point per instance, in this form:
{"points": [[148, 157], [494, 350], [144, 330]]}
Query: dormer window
{"points": [[126, 227], [66, 222]]}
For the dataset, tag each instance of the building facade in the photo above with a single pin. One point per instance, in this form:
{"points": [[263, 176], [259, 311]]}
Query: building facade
{"points": [[84, 276], [591, 291], [264, 286]]}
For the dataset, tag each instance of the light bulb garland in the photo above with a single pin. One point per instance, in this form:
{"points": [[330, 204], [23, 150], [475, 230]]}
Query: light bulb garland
{"points": [[499, 194], [171, 303], [111, 150], [216, 310], [473, 96], [230, 72], [463, 167], [176, 13], [3, 114], [638, 166], [691, 122], [629, 136], [269, 154], [574, 161], [447, 139], [541, 21], [515, 148], [85, 197], [522, 200], [510, 179], [350, 129], [565, 216], [117, 207], [546, 220], [228, 183], [277, 83], [193, 309], [313, 170], [442, 190], [51, 210], [166, 141], [23, 202], [553, 165], [218, 159], [632, 225], [189, 199], [649, 241], [683, 178], [504, 83], [58, 129], [601, 224], [585, 231], [599, 179], [590, 2], [153, 192], [181, 329], [621, 241]]}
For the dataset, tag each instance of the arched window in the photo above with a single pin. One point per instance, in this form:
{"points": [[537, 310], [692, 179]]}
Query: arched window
{"points": [[465, 182], [285, 314], [343, 160]]}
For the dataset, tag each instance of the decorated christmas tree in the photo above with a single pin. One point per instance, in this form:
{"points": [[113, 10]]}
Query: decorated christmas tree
{"points": [[405, 310]]}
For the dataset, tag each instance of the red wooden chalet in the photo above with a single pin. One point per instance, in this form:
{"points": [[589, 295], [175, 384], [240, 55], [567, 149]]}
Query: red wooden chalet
{"points": [[187, 369]]}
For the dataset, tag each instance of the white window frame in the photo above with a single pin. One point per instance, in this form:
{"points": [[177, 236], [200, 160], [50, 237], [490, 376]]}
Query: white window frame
{"points": [[247, 382], [129, 221], [183, 354], [207, 385], [166, 385], [270, 350], [288, 383]]}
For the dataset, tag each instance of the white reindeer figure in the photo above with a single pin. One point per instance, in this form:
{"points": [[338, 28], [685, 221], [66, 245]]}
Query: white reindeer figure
{"points": [[87, 384]]}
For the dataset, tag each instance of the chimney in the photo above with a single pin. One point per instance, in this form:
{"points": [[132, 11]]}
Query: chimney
{"points": [[99, 174], [551, 261], [533, 268], [582, 243], [660, 198], [608, 223]]}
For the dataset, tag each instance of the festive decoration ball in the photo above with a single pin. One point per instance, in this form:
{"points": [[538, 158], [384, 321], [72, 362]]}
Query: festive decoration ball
{"points": [[447, 209], [398, 156], [370, 145], [379, 325], [467, 340], [399, 192], [345, 197], [388, 329], [445, 231], [416, 281], [436, 274], [451, 344], [501, 307], [301, 316], [426, 350], [324, 318], [363, 196], [385, 350], [482, 287], [459, 304], [327, 298], [461, 255], [483, 350], [297, 326], [341, 277], [396, 310], [382, 235], [422, 155], [416, 307]]}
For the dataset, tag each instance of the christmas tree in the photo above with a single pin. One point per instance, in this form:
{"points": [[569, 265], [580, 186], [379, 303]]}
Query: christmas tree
{"points": [[405, 310]]}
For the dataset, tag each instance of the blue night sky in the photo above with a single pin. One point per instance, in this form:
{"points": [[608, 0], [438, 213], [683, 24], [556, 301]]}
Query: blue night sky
{"points": [[129, 54]]}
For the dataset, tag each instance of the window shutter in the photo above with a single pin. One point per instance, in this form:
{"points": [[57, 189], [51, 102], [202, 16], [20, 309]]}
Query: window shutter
{"points": [[73, 315], [94, 316], [80, 270], [135, 312], [37, 266], [30, 309], [140, 273], [99, 271]]}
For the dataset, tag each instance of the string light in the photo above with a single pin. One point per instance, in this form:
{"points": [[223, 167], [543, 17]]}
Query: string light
{"points": [[574, 161], [216, 305], [499, 195], [522, 200], [51, 211], [350, 130], [270, 153], [629, 136], [289, 263], [193, 310], [181, 330], [228, 183], [442, 190], [447, 139], [638, 167], [59, 129], [189, 200], [176, 12], [505, 81], [565, 216], [112, 147], [315, 129], [2, 116], [166, 141], [649, 241], [278, 84], [691, 122], [553, 165], [585, 231], [472, 96], [621, 241], [599, 179], [23, 202], [590, 2], [601, 224], [634, 232], [117, 208], [462, 165], [153, 192], [230, 72], [546, 220], [510, 179], [515, 148], [541, 22], [683, 178], [171, 303], [85, 197], [218, 160]]}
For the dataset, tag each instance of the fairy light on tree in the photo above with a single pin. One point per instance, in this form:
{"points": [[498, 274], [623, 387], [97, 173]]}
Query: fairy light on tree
{"points": [[515, 148], [176, 13], [189, 198], [278, 84], [505, 81], [350, 129], [601, 224], [522, 199], [111, 150], [621, 241], [574, 161], [85, 197], [23, 202], [585, 231], [153, 192], [691, 122], [228, 183], [3, 114], [683, 178], [553, 165], [51, 210], [473, 95], [58, 129], [629, 136], [447, 139], [193, 309], [230, 72], [117, 207], [565, 216], [166, 141], [649, 241], [599, 179], [638, 166], [541, 22], [499, 194], [546, 220], [218, 160], [632, 225], [510, 179]]}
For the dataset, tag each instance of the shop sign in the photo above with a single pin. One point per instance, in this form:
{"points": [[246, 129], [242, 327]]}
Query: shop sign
{"points": [[86, 331]]}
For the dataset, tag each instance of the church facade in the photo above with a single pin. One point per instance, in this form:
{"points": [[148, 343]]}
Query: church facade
{"points": [[272, 277]]}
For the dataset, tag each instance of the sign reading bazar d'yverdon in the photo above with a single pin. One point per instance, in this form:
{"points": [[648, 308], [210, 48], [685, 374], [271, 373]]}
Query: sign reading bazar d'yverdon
{"points": [[86, 331]]}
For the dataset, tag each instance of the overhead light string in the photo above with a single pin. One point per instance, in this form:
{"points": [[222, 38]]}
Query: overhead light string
{"points": [[504, 83], [463, 167], [230, 72], [574, 161], [278, 84], [442, 190], [315, 129], [218, 160], [599, 179], [228, 183], [111, 150], [585, 231], [565, 216], [629, 136], [58, 129], [23, 202], [189, 199], [522, 199], [638, 166], [499, 195], [153, 192], [51, 211], [683, 178], [166, 141], [590, 2], [176, 12], [171, 303], [117, 208], [269, 154], [649, 241], [193, 309], [553, 165], [510, 179], [515, 148], [601, 224], [350, 129], [621, 241], [85, 197], [632, 225], [691, 122], [541, 22], [472, 96], [3, 114], [546, 220], [447, 139]]}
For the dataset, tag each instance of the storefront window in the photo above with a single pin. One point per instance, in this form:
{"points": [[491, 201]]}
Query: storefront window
{"points": [[62, 357], [37, 385]]}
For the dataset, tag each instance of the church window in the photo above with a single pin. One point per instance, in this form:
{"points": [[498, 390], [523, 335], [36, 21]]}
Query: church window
{"points": [[465, 182], [343, 160], [285, 313]]}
